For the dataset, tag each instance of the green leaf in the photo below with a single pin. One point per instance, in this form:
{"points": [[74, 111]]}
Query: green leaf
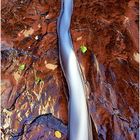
{"points": [[38, 80], [83, 49], [21, 67]]}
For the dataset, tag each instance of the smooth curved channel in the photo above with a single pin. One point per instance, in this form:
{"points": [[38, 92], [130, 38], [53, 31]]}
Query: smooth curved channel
{"points": [[79, 122]]}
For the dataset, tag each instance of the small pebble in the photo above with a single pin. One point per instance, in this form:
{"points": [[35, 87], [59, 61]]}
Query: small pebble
{"points": [[39, 26], [36, 38]]}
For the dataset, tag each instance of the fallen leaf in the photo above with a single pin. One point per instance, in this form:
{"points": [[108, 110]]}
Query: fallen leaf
{"points": [[83, 49], [58, 134], [21, 67], [51, 66]]}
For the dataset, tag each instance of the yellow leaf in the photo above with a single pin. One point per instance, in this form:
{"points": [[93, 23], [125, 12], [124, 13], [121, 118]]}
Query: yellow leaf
{"points": [[58, 134]]}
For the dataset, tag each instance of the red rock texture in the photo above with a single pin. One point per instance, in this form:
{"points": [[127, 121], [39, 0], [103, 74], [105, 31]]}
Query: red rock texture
{"points": [[109, 30], [29, 38]]}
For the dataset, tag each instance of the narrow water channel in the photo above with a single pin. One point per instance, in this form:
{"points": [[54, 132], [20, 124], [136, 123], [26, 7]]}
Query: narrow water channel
{"points": [[79, 122]]}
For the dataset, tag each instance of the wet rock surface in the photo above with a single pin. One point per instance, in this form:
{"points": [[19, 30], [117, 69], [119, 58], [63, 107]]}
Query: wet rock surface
{"points": [[42, 127], [32, 81], [109, 29], [33, 85]]}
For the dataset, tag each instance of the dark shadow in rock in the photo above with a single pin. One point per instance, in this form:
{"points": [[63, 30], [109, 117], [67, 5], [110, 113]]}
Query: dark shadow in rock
{"points": [[42, 127]]}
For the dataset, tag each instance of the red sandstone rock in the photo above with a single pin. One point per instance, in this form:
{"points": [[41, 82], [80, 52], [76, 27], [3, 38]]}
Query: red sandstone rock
{"points": [[109, 30]]}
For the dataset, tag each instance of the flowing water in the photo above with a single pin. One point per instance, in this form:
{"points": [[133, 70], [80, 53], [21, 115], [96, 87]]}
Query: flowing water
{"points": [[79, 122]]}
